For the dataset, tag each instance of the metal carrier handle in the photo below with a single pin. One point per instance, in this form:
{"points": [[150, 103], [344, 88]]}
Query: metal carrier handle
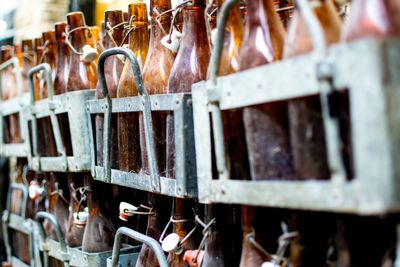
{"points": [[147, 118], [152, 243], [324, 73], [45, 67], [18, 76], [40, 217]]}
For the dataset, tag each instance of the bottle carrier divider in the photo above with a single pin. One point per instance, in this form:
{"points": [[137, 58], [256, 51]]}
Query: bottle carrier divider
{"points": [[367, 69], [185, 182], [17, 223], [13, 106], [74, 105]]}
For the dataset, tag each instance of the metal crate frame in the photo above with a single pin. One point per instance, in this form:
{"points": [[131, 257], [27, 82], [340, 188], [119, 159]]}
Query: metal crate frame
{"points": [[18, 223], [72, 103], [185, 184], [10, 107], [60, 251], [368, 68]]}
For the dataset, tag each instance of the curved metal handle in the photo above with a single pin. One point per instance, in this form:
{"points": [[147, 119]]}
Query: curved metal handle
{"points": [[43, 215], [153, 244], [147, 118], [18, 75], [45, 67], [13, 187]]}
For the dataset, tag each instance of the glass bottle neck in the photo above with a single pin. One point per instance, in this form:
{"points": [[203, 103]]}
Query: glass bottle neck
{"points": [[194, 26]]}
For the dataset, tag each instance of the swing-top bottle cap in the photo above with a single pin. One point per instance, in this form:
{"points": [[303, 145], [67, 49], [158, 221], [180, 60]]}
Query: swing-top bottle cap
{"points": [[80, 218], [269, 264], [34, 190], [171, 244], [123, 208], [89, 54]]}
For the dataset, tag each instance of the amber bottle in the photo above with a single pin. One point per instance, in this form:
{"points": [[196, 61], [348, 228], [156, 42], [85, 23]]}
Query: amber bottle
{"points": [[74, 232], [266, 125], [183, 210], [99, 231], [372, 18], [190, 66], [158, 64], [128, 123], [82, 75], [63, 53], [14, 92], [29, 60], [96, 40], [38, 44], [112, 35]]}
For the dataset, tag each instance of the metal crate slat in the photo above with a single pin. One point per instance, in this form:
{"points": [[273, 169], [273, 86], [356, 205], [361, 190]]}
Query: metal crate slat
{"points": [[74, 105], [185, 184], [367, 68]]}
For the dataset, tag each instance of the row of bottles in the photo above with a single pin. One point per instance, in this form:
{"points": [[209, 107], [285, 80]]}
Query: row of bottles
{"points": [[278, 140]]}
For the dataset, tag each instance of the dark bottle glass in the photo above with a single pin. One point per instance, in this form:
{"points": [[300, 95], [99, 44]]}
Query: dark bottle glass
{"points": [[128, 123], [182, 210], [49, 56], [112, 35], [190, 66], [158, 64], [74, 231], [29, 60], [82, 75], [5, 55], [99, 231], [372, 18], [63, 54]]}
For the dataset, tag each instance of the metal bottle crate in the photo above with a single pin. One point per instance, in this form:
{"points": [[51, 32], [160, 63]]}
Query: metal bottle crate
{"points": [[18, 223], [10, 107], [71, 103], [185, 184], [60, 251], [368, 68]]}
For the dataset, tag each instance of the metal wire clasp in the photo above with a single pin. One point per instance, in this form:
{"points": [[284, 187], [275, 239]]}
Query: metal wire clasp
{"points": [[127, 210], [173, 243]]}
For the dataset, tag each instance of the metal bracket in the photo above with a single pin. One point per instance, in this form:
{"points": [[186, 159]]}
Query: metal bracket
{"points": [[124, 231]]}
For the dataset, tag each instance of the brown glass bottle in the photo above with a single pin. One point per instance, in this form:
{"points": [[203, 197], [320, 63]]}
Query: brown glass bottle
{"points": [[113, 35], [96, 41], [99, 231], [158, 64], [190, 66], [4, 56], [372, 18], [14, 92], [161, 206], [63, 53], [29, 60], [74, 232], [82, 75], [266, 125], [182, 210], [38, 44], [307, 134], [128, 123]]}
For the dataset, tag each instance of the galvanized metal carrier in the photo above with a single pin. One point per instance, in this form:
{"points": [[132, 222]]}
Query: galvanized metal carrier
{"points": [[185, 183], [13, 106], [70, 256], [368, 69], [71, 103], [17, 223]]}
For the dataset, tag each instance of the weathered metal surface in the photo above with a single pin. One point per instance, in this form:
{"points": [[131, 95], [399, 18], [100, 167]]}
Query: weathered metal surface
{"points": [[368, 69], [74, 105], [185, 182]]}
